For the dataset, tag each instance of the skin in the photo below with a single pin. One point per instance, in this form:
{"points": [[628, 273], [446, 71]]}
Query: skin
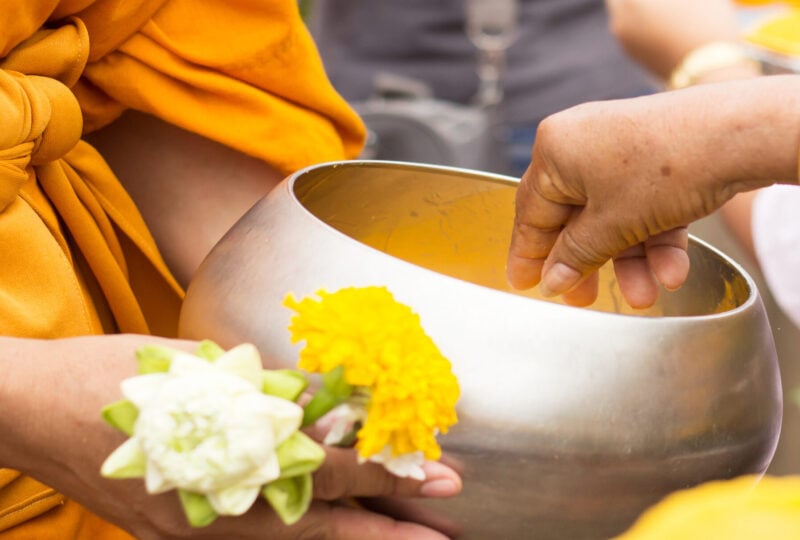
{"points": [[659, 34], [623, 179], [54, 431]]}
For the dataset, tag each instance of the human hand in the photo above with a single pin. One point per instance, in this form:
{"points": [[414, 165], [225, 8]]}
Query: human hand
{"points": [[333, 514], [660, 33], [61, 386], [623, 179]]}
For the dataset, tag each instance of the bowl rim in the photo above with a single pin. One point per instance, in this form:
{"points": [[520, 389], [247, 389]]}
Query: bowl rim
{"points": [[753, 297]]}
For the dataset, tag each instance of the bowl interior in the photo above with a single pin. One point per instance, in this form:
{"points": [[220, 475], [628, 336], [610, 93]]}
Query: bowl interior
{"points": [[458, 223]]}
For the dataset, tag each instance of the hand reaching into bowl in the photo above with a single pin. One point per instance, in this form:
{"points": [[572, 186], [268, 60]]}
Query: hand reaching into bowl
{"points": [[623, 179]]}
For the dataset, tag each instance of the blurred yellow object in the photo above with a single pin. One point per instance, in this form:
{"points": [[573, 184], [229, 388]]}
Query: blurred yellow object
{"points": [[766, 2], [780, 34], [740, 509]]}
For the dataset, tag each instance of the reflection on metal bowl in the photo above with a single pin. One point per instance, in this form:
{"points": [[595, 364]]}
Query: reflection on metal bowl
{"points": [[572, 420]]}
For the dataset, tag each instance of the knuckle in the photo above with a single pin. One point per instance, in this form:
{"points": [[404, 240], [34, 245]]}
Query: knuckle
{"points": [[581, 249], [317, 530], [330, 483], [389, 484]]}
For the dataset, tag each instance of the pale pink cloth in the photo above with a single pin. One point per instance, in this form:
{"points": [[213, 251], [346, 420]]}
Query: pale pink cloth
{"points": [[776, 236]]}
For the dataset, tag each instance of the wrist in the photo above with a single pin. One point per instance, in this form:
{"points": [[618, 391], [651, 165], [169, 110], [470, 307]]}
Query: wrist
{"points": [[713, 61], [750, 131], [51, 391]]}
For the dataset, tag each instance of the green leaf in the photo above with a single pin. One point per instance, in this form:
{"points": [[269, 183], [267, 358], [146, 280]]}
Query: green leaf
{"points": [[289, 497], [154, 358], [284, 383], [127, 461], [299, 454], [209, 350], [198, 510], [321, 403], [336, 384], [122, 415], [335, 391]]}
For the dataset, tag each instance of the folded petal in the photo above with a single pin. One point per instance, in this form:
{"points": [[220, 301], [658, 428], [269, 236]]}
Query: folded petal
{"points": [[127, 461], [144, 389], [184, 363], [233, 501], [154, 481], [285, 416], [243, 360], [267, 472]]}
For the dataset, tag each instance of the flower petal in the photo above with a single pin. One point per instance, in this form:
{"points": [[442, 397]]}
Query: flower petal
{"points": [[299, 454], [342, 421], [127, 461], [233, 501], [404, 465], [286, 417], [208, 350], [269, 471], [243, 360], [154, 359], [122, 415], [184, 363], [284, 383], [154, 481], [290, 497], [198, 510], [143, 389]]}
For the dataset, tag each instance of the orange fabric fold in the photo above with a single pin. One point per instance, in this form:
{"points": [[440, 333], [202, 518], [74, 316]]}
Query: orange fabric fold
{"points": [[77, 258], [177, 67]]}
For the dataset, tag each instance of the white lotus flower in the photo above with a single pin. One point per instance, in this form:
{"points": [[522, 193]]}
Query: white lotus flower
{"points": [[342, 420], [206, 427]]}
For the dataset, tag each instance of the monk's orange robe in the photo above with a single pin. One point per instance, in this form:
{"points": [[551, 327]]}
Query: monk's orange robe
{"points": [[75, 255]]}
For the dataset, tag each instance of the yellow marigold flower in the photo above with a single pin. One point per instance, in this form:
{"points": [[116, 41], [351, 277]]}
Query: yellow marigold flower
{"points": [[744, 508], [386, 354]]}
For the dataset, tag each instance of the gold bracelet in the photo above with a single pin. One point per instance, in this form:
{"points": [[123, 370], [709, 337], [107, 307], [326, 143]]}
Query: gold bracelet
{"points": [[707, 58]]}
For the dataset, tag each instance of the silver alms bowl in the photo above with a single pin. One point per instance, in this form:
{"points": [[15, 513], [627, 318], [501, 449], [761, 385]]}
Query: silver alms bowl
{"points": [[572, 420]]}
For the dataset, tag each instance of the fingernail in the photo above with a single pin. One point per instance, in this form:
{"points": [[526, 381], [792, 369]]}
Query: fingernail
{"points": [[441, 481], [443, 487], [559, 279]]}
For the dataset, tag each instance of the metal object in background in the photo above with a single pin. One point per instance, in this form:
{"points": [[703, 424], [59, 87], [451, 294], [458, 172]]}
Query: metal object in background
{"points": [[405, 123], [492, 28], [572, 421]]}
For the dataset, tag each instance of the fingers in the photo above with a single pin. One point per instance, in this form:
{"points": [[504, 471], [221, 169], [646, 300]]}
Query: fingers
{"points": [[667, 257], [636, 281], [582, 247], [571, 266], [342, 476], [584, 293], [537, 224], [661, 259], [329, 522], [413, 510]]}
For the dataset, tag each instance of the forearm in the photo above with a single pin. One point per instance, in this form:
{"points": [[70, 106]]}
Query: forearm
{"points": [[741, 134], [51, 394]]}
